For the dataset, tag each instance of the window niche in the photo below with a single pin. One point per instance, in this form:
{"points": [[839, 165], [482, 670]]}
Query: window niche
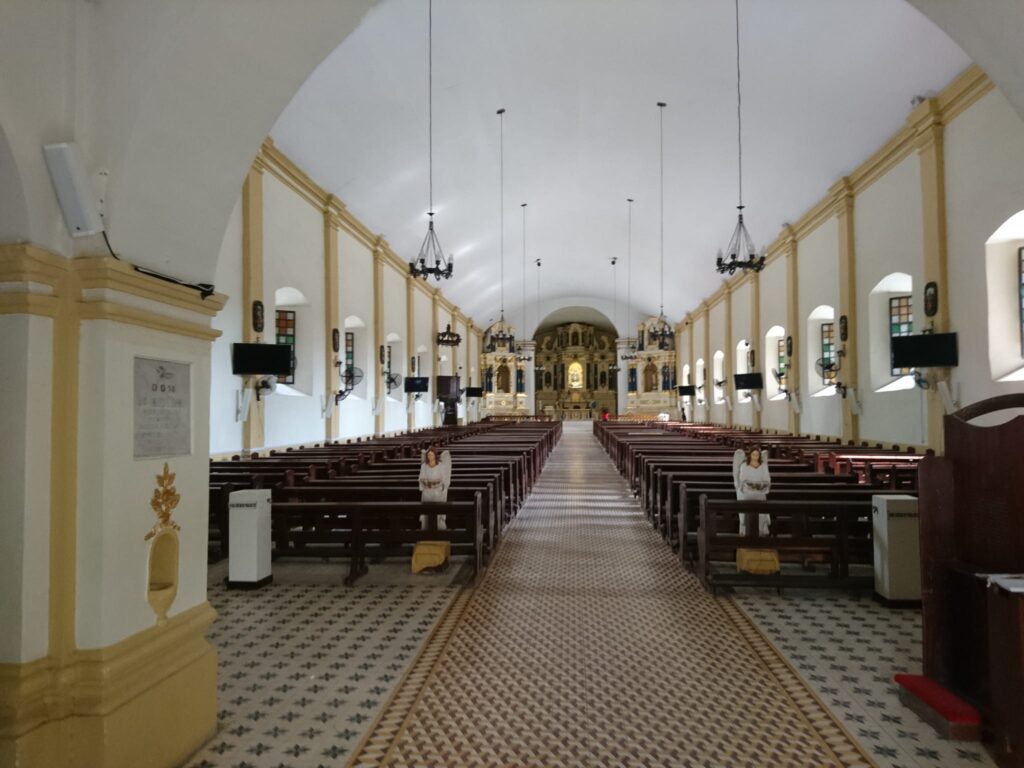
{"points": [[775, 355], [891, 313], [701, 381], [357, 348], [1004, 277], [295, 326], [822, 339]]}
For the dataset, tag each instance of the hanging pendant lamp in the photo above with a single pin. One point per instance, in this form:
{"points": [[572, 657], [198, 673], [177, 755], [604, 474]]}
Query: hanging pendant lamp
{"points": [[742, 253], [502, 336], [630, 350], [661, 332], [539, 367], [431, 261], [521, 356]]}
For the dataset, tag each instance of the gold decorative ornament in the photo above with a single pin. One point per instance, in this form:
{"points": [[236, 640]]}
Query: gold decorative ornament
{"points": [[165, 499]]}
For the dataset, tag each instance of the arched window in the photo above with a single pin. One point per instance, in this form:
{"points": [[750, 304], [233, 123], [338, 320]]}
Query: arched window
{"points": [[686, 382], [776, 379], [891, 314], [718, 374], [292, 326], [489, 379], [822, 345], [701, 382], [1004, 276], [631, 379]]}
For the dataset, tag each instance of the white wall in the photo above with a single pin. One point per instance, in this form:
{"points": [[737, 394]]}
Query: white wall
{"points": [[114, 489], [742, 311], [355, 273], [818, 256], [395, 415], [716, 337], [774, 302], [225, 431], [424, 346], [700, 413], [26, 386], [888, 232], [984, 187]]}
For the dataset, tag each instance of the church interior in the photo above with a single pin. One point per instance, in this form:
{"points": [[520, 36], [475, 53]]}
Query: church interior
{"points": [[471, 383]]}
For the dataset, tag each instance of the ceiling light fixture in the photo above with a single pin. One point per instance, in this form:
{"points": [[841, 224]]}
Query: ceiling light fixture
{"points": [[539, 367], [521, 356], [740, 243], [448, 337], [630, 348], [502, 336], [661, 332], [431, 260], [614, 367]]}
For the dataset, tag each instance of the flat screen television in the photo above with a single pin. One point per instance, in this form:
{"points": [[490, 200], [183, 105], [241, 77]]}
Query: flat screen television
{"points": [[417, 384], [687, 390], [925, 350], [748, 380], [474, 392], [261, 359]]}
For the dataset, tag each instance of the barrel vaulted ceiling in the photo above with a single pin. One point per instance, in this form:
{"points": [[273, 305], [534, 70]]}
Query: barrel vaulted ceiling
{"points": [[825, 83]]}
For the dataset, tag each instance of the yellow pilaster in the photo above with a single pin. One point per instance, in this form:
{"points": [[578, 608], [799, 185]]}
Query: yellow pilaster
{"points": [[794, 375], [843, 202], [252, 287], [378, 335], [434, 350], [730, 354], [332, 313], [926, 120], [756, 342]]}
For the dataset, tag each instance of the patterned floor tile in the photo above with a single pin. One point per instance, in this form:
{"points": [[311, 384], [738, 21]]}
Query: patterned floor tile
{"points": [[587, 645], [847, 647]]}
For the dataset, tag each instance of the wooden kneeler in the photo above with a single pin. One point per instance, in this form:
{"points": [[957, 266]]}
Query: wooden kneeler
{"points": [[430, 554], [950, 716]]}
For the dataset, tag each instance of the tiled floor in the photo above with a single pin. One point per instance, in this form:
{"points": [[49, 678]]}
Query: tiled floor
{"points": [[305, 664], [848, 647], [586, 645]]}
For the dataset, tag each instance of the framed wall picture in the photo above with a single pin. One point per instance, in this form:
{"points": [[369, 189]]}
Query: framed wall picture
{"points": [[789, 346], [336, 340], [257, 316], [931, 299], [843, 328]]}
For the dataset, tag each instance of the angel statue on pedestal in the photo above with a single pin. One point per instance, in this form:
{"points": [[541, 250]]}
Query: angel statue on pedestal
{"points": [[752, 481], [435, 477]]}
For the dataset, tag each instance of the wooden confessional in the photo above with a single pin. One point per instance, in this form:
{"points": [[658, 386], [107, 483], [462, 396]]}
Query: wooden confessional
{"points": [[972, 526]]}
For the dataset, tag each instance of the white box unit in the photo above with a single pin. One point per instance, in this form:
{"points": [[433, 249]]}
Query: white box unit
{"points": [[249, 539], [897, 547]]}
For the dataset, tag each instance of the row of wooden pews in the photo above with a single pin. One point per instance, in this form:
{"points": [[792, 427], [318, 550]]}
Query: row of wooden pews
{"points": [[820, 504], [361, 500]]}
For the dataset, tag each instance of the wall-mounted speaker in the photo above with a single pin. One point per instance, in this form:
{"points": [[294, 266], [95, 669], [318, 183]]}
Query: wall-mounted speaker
{"points": [[74, 192]]}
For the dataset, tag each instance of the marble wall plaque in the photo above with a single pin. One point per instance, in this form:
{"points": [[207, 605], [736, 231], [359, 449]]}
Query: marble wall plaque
{"points": [[163, 412]]}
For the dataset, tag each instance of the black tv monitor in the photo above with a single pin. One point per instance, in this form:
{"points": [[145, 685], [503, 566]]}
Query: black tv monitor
{"points": [[474, 392], [261, 359], [687, 390], [925, 350], [748, 380], [417, 384]]}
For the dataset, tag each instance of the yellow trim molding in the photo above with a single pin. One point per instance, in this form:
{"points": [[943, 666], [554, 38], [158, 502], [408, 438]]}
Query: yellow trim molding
{"points": [[108, 273], [108, 706]]}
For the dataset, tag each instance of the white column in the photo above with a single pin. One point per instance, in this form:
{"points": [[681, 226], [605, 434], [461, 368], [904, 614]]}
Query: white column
{"points": [[622, 346], [529, 348]]}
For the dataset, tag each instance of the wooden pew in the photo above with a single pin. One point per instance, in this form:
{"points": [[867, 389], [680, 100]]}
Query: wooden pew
{"points": [[839, 531]]}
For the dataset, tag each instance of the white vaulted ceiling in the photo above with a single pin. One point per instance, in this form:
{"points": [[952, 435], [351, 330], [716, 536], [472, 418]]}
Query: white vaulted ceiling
{"points": [[825, 83]]}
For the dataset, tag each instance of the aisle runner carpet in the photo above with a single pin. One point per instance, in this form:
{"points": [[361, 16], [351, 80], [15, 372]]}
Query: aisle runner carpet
{"points": [[588, 645]]}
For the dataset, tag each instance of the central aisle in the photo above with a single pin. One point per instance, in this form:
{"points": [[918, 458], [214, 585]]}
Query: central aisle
{"points": [[587, 644]]}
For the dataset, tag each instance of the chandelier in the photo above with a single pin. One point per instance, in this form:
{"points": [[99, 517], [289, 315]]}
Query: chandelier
{"points": [[431, 260], [661, 332], [614, 367], [742, 253], [630, 349], [502, 336], [448, 337]]}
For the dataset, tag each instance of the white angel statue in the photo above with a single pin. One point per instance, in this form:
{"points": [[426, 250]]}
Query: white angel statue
{"points": [[752, 481], [435, 477]]}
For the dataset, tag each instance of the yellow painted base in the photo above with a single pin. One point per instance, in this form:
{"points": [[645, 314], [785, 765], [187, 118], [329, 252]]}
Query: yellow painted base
{"points": [[160, 728], [430, 554]]}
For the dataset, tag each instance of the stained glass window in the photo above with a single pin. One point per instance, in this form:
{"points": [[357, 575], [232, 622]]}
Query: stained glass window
{"points": [[286, 335], [781, 363], [901, 323], [631, 379], [828, 353]]}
